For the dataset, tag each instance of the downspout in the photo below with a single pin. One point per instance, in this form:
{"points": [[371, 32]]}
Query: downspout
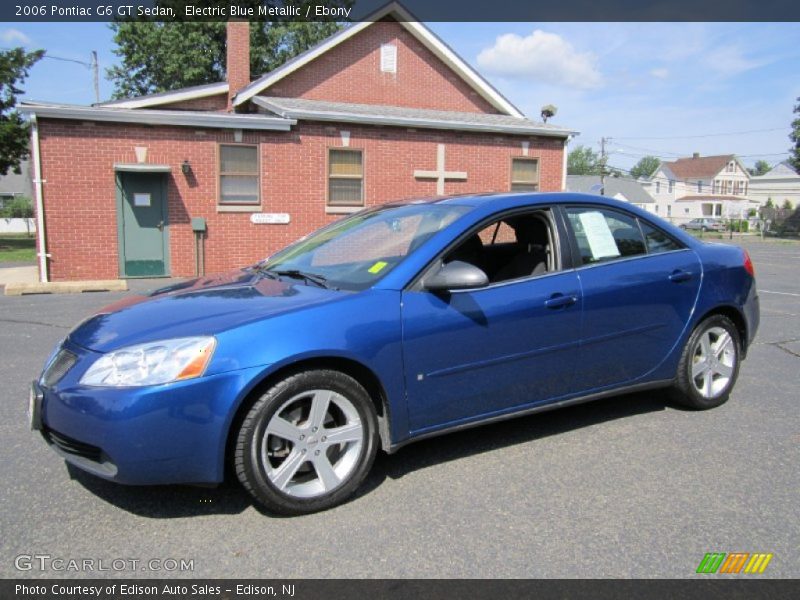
{"points": [[564, 165], [37, 180]]}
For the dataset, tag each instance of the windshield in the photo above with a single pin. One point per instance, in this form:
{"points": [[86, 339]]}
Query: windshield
{"points": [[354, 253]]}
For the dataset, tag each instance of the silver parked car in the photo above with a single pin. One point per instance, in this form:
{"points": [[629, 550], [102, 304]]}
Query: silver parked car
{"points": [[705, 224]]}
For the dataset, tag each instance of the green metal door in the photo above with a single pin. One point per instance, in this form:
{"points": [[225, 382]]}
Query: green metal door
{"points": [[143, 232]]}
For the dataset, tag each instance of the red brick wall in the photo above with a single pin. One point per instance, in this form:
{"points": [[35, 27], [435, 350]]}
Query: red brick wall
{"points": [[350, 72], [237, 56], [80, 204], [210, 103]]}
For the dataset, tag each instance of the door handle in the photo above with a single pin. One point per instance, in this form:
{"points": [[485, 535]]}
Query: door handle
{"points": [[559, 300], [677, 276], [160, 225]]}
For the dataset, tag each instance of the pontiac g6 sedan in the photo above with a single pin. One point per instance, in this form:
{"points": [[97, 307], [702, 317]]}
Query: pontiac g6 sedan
{"points": [[397, 323]]}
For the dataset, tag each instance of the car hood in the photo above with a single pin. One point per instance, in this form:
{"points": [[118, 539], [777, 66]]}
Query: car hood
{"points": [[203, 306]]}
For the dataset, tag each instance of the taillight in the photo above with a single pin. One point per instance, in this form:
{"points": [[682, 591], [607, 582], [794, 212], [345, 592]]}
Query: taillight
{"points": [[748, 264]]}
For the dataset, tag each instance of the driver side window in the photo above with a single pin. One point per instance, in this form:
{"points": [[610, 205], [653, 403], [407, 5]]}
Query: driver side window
{"points": [[514, 247]]}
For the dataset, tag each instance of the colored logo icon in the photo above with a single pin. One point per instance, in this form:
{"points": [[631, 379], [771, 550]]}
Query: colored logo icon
{"points": [[734, 563]]}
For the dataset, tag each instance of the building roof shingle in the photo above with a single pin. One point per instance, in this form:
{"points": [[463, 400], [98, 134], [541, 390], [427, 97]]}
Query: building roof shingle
{"points": [[698, 167], [302, 108], [631, 189]]}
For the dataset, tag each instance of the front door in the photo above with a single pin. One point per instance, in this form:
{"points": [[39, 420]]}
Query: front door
{"points": [[488, 351], [143, 234]]}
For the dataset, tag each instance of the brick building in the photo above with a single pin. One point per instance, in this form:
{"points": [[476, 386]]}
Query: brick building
{"points": [[380, 111]]}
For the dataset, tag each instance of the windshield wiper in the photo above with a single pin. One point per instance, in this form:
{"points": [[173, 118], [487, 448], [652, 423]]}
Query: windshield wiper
{"points": [[315, 278]]}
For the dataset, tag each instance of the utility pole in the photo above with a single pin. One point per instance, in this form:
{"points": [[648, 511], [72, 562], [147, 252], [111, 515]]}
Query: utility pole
{"points": [[603, 161], [96, 73]]}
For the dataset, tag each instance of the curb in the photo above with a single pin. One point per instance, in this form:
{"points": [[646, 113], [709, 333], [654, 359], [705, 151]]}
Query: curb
{"points": [[66, 287]]}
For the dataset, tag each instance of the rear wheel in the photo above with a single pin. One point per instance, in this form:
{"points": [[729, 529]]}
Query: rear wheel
{"points": [[307, 443], [709, 364]]}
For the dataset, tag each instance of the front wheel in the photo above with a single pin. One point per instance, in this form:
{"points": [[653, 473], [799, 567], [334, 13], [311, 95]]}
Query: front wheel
{"points": [[709, 364], [307, 443]]}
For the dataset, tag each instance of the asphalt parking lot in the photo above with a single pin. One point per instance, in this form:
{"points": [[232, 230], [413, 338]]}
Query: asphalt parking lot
{"points": [[629, 486]]}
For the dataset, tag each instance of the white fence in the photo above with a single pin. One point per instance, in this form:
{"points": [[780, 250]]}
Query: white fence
{"points": [[17, 225]]}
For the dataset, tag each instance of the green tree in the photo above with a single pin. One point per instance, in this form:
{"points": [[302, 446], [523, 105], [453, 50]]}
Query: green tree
{"points": [[794, 157], [760, 168], [787, 204], [646, 166], [14, 67], [19, 207], [583, 161], [769, 204], [158, 57]]}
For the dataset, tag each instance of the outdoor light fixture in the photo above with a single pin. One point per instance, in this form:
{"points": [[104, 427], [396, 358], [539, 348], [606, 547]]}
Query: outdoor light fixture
{"points": [[186, 167]]}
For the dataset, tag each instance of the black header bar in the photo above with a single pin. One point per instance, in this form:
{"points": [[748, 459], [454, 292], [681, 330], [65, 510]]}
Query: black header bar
{"points": [[421, 10]]}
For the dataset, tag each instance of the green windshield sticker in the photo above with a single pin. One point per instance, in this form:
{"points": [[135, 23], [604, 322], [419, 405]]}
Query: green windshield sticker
{"points": [[377, 267]]}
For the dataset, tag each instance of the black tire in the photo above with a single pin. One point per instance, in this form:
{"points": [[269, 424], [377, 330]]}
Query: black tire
{"points": [[251, 443], [685, 390], [704, 229]]}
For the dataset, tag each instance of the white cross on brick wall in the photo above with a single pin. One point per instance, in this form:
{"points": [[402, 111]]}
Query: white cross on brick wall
{"points": [[440, 175]]}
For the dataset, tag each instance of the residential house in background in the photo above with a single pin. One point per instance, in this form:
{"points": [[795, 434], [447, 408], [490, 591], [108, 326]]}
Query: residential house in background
{"points": [[382, 110], [781, 183], [701, 186], [621, 188], [14, 185]]}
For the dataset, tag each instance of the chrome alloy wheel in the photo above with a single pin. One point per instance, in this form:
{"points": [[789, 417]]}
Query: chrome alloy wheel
{"points": [[312, 443], [713, 362]]}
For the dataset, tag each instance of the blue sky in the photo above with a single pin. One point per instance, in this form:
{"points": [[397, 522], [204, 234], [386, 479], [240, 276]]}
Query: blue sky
{"points": [[626, 81]]}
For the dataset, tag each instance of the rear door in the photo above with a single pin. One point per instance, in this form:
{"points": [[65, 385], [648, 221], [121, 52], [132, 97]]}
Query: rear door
{"points": [[639, 289]]}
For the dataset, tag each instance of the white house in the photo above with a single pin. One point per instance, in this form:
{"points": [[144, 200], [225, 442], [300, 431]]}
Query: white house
{"points": [[779, 184], [707, 186]]}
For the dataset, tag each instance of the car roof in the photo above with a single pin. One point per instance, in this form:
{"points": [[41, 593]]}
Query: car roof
{"points": [[491, 200]]}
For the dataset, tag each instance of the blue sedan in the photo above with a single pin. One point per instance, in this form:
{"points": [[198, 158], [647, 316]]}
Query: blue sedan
{"points": [[397, 323]]}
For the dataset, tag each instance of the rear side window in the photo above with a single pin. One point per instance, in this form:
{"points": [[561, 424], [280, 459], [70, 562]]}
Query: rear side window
{"points": [[658, 241], [604, 235]]}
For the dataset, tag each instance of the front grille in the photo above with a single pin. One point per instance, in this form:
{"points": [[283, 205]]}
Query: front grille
{"points": [[58, 367], [71, 446]]}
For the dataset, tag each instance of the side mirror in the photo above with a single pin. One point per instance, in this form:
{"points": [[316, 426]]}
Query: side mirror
{"points": [[456, 275]]}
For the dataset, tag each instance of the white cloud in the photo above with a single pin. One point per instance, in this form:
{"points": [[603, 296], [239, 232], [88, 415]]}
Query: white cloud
{"points": [[730, 60], [545, 57], [660, 73], [14, 36]]}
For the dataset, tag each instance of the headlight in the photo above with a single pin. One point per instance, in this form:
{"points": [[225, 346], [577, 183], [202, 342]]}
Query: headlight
{"points": [[153, 363]]}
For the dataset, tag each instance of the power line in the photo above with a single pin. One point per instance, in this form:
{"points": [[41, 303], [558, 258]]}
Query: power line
{"points": [[94, 66], [701, 135], [669, 156], [705, 182], [61, 58]]}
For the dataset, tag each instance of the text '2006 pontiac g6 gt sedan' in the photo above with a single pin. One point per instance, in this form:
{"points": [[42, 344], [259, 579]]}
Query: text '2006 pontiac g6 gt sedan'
{"points": [[399, 322]]}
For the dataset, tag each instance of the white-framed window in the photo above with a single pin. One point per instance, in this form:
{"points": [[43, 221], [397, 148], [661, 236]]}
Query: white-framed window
{"points": [[345, 177], [671, 186], [658, 187], [524, 174], [239, 174], [699, 187]]}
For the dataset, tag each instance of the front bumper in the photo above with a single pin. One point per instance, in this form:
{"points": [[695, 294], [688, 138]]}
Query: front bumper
{"points": [[165, 434]]}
